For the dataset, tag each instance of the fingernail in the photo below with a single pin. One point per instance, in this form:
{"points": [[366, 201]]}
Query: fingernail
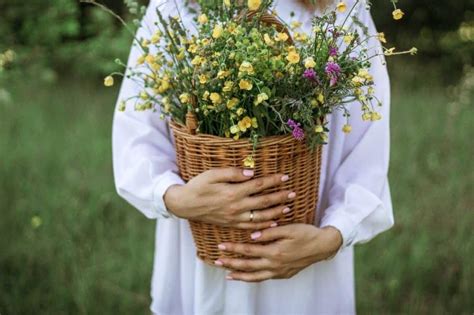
{"points": [[221, 246], [286, 210], [292, 195], [273, 224], [228, 277], [218, 262], [256, 235], [285, 178], [248, 173]]}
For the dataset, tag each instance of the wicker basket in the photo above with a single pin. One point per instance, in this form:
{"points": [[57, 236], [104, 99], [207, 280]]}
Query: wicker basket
{"points": [[276, 154]]}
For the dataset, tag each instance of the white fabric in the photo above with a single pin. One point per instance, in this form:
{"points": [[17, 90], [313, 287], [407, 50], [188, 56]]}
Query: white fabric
{"points": [[354, 197]]}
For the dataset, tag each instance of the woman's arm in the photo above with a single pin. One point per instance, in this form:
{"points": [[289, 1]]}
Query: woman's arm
{"points": [[360, 205], [145, 165], [143, 155]]}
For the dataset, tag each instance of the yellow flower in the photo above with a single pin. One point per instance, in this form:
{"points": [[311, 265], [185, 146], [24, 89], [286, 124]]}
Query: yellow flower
{"points": [[222, 74], [202, 19], [205, 95], [397, 14], [249, 162], [246, 67], [122, 106], [295, 24], [240, 111], [341, 7], [203, 78], [375, 116], [254, 4], [281, 37], [245, 123], [389, 52], [293, 57], [109, 81], [318, 129], [232, 102], [234, 129], [254, 123], [36, 222], [156, 37], [245, 85], [144, 95], [309, 62], [185, 98], [381, 37], [364, 73], [145, 43], [348, 38], [228, 85], [268, 40], [366, 116], [215, 98], [347, 128], [217, 32], [227, 3], [260, 98], [357, 80], [321, 98], [413, 51]]}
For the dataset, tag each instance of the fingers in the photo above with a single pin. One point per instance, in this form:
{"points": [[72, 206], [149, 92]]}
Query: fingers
{"points": [[279, 232], [250, 264], [257, 185], [267, 201], [247, 249], [227, 175], [255, 225], [257, 276], [265, 215]]}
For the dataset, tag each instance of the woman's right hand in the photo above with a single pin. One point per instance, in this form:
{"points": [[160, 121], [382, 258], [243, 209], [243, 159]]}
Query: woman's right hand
{"points": [[225, 197]]}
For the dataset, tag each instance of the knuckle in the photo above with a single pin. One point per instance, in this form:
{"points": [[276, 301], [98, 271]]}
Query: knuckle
{"points": [[259, 183], [266, 201], [230, 194], [233, 209], [246, 249]]}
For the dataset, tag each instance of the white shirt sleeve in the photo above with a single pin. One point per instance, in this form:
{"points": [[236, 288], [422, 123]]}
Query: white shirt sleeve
{"points": [[359, 198], [144, 158]]}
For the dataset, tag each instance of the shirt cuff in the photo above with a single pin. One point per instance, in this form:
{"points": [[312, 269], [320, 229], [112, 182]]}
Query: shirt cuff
{"points": [[347, 215], [165, 181]]}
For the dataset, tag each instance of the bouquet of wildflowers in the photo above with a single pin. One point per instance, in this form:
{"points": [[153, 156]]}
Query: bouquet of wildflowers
{"points": [[243, 78]]}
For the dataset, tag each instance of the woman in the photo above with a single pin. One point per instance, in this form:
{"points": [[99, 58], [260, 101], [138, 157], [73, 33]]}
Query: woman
{"points": [[308, 269]]}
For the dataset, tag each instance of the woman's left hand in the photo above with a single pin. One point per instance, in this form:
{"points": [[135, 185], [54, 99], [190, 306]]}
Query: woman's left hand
{"points": [[293, 248]]}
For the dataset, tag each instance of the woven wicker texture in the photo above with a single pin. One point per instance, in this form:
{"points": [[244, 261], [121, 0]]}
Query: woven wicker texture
{"points": [[277, 154]]}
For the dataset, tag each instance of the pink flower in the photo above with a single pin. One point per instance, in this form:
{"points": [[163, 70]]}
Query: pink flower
{"points": [[298, 133], [333, 70]]}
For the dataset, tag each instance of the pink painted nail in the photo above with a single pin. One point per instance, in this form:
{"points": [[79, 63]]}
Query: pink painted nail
{"points": [[221, 246], [286, 210], [273, 224], [285, 178], [256, 235], [218, 262], [248, 173], [292, 195]]}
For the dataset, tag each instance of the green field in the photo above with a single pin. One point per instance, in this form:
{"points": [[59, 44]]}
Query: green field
{"points": [[92, 253]]}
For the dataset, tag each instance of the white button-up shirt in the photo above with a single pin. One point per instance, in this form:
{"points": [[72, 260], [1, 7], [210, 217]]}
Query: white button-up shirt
{"points": [[354, 197]]}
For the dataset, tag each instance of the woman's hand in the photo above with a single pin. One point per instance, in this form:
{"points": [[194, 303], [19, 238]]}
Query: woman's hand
{"points": [[294, 247], [224, 197]]}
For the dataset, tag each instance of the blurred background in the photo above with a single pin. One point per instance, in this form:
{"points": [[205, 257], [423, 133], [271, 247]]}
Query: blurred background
{"points": [[70, 245]]}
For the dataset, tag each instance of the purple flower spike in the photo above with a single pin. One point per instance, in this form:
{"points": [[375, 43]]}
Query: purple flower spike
{"points": [[333, 70], [310, 74], [333, 51], [298, 133]]}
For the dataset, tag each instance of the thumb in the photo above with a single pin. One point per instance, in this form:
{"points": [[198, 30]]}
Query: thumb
{"points": [[272, 234], [228, 175]]}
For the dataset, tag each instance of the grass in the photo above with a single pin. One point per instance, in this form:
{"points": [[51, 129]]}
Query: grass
{"points": [[92, 254]]}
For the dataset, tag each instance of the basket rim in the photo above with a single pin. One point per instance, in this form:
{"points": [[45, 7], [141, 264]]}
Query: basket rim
{"points": [[181, 129]]}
